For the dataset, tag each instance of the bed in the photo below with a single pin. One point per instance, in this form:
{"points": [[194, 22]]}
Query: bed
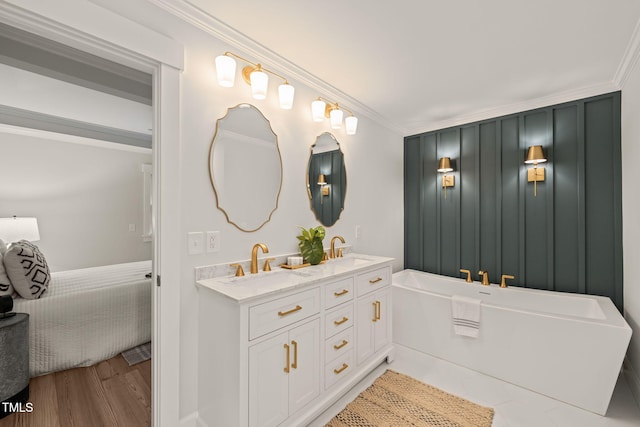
{"points": [[87, 316]]}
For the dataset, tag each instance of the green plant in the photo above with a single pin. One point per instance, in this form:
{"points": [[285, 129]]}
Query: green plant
{"points": [[310, 244]]}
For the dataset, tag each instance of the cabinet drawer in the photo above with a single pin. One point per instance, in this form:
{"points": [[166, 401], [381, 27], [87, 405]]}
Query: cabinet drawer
{"points": [[338, 369], [338, 320], [338, 292], [273, 315], [338, 345], [372, 280]]}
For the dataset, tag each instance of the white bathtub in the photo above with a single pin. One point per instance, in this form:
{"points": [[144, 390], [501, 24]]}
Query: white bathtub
{"points": [[566, 346]]}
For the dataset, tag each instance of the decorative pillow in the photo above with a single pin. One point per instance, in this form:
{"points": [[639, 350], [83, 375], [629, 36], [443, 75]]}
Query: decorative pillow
{"points": [[27, 269]]}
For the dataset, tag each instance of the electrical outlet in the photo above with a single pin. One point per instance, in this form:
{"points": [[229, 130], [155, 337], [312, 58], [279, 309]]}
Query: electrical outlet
{"points": [[213, 241], [195, 240]]}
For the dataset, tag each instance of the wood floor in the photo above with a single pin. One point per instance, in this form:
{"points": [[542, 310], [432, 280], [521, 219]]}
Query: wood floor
{"points": [[109, 394]]}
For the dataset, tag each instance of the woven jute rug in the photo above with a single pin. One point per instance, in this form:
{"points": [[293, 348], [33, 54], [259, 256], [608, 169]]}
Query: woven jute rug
{"points": [[396, 400]]}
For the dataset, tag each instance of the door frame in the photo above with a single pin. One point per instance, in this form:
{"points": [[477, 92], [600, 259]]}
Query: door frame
{"points": [[91, 28]]}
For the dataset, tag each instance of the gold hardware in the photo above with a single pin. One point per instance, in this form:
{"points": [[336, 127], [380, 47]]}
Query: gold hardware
{"points": [[325, 257], [254, 256], [239, 270], [294, 365], [485, 277], [444, 166], [341, 321], [342, 292], [503, 280], [337, 371], [378, 310], [375, 312], [246, 71], [293, 310], [267, 266], [286, 368], [339, 253], [448, 181], [375, 280], [535, 155], [468, 273], [342, 344], [332, 251]]}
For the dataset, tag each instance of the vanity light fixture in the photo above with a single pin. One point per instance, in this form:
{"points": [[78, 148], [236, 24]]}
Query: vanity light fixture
{"points": [[535, 155], [254, 75], [324, 188], [444, 167], [322, 108]]}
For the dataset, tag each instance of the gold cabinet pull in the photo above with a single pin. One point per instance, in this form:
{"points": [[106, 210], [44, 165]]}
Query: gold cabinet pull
{"points": [[293, 310], [342, 344], [375, 280], [376, 311], [341, 321], [337, 371], [286, 368], [294, 365], [339, 294]]}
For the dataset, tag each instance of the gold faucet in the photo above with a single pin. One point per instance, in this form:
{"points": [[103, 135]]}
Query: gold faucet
{"points": [[254, 256], [239, 270], [503, 281], [485, 277], [468, 273], [332, 252]]}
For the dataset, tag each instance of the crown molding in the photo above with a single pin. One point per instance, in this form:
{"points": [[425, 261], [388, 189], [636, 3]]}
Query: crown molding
{"points": [[198, 18], [629, 59], [532, 104]]}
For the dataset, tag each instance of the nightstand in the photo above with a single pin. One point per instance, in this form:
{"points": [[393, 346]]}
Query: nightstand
{"points": [[14, 361]]}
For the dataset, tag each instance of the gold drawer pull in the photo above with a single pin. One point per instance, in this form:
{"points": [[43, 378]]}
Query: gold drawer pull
{"points": [[293, 310], [341, 321], [339, 294], [375, 280], [337, 371], [342, 344]]}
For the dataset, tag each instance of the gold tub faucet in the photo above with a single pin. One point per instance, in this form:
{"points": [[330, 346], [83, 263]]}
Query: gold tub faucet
{"points": [[468, 273], [332, 251], [485, 277], [254, 256], [503, 281]]}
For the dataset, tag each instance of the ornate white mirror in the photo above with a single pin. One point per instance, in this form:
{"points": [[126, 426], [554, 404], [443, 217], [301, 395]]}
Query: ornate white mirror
{"points": [[326, 179], [245, 167]]}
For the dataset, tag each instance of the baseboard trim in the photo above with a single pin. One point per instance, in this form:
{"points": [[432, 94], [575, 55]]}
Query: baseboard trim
{"points": [[633, 379], [191, 420]]}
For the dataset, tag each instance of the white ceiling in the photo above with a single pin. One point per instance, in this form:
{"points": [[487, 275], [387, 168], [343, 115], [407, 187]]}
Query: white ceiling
{"points": [[420, 63]]}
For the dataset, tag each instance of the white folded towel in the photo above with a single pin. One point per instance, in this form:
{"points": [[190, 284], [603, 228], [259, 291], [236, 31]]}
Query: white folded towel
{"points": [[465, 315]]}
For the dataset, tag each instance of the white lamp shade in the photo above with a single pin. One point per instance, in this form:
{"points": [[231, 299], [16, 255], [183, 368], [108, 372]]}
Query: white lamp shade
{"points": [[336, 118], [226, 70], [317, 110], [286, 92], [15, 229], [259, 84], [351, 125]]}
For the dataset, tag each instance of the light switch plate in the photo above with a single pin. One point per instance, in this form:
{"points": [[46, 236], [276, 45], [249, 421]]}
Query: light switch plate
{"points": [[195, 240], [213, 241]]}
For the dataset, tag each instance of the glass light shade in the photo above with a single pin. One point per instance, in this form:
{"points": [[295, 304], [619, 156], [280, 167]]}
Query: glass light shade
{"points": [[14, 229], [351, 125], [226, 70], [286, 92], [444, 165], [259, 84], [317, 110], [336, 118], [535, 154]]}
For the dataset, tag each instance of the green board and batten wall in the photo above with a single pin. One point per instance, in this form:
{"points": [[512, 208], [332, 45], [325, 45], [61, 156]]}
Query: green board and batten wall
{"points": [[568, 238]]}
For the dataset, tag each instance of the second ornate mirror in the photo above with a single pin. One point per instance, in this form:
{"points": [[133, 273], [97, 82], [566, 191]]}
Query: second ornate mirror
{"points": [[326, 179], [245, 167]]}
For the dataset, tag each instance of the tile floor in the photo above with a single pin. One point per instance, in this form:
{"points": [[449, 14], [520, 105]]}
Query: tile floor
{"points": [[514, 406]]}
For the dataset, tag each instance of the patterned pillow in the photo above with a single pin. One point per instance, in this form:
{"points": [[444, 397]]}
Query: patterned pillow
{"points": [[5, 284], [27, 269]]}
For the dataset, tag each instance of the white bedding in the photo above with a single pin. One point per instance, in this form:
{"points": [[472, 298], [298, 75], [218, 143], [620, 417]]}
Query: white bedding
{"points": [[88, 315]]}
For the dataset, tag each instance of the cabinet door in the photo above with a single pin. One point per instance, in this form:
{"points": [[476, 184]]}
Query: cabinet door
{"points": [[304, 377], [365, 344], [382, 328], [268, 382]]}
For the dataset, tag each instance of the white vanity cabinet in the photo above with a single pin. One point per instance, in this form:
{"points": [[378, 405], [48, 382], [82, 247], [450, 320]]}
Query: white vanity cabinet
{"points": [[278, 352]]}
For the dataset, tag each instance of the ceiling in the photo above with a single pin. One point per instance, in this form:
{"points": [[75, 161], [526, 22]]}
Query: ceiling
{"points": [[418, 64]]}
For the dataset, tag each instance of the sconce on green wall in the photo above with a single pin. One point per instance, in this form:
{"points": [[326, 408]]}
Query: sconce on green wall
{"points": [[535, 155], [444, 166]]}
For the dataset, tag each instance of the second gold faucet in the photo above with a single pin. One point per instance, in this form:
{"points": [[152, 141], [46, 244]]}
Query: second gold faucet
{"points": [[254, 256]]}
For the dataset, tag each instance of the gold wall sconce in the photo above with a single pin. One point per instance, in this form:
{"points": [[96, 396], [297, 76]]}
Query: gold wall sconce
{"points": [[255, 75], [322, 108], [324, 187], [535, 155], [444, 167]]}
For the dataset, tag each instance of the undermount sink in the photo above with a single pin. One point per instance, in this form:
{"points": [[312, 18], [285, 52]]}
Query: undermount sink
{"points": [[348, 261], [263, 278]]}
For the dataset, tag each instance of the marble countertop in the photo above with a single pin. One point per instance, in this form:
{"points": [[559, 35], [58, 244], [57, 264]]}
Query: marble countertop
{"points": [[253, 286]]}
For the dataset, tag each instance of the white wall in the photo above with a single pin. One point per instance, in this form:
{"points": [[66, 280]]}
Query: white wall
{"points": [[84, 196], [631, 222]]}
